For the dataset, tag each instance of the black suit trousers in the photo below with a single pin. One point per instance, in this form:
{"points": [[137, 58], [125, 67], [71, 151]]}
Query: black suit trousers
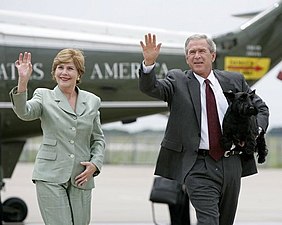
{"points": [[213, 189], [180, 213]]}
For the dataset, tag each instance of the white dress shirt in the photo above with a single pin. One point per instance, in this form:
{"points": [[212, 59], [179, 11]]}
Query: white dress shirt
{"points": [[221, 104]]}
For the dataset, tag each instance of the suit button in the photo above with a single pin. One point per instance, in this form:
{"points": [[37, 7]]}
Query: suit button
{"points": [[73, 128], [72, 156], [72, 141]]}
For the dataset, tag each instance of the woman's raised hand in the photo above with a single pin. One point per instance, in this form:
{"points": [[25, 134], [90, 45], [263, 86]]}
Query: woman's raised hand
{"points": [[24, 66]]}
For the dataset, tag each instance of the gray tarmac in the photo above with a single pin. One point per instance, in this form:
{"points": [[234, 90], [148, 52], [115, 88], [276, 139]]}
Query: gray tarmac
{"points": [[122, 192]]}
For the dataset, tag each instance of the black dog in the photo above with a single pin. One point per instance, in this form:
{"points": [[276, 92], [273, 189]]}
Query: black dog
{"points": [[240, 126]]}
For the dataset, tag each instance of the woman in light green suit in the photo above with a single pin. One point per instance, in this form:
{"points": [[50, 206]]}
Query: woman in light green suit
{"points": [[73, 145]]}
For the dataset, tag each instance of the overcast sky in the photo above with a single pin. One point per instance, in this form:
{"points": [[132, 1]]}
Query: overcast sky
{"points": [[204, 16], [201, 16]]}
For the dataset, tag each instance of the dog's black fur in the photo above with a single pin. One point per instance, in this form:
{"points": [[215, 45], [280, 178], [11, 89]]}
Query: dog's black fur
{"points": [[240, 126]]}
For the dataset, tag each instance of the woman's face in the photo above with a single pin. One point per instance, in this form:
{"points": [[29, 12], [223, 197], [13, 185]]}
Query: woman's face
{"points": [[66, 75]]}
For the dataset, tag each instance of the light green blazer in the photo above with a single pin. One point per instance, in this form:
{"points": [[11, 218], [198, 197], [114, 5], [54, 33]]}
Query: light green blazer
{"points": [[68, 137]]}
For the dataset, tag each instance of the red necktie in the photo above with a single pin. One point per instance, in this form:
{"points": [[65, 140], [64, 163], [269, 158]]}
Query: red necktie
{"points": [[216, 152]]}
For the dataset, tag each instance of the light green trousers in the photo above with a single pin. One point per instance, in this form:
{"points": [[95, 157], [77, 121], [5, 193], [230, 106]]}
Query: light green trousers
{"points": [[63, 204]]}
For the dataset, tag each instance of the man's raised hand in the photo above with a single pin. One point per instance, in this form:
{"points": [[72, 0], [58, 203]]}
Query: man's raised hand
{"points": [[151, 50]]}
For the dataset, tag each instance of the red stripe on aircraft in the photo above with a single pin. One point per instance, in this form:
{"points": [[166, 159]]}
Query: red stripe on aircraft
{"points": [[256, 68]]}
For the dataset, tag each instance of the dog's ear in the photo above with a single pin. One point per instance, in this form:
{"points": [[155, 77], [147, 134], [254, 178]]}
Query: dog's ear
{"points": [[229, 95], [252, 94]]}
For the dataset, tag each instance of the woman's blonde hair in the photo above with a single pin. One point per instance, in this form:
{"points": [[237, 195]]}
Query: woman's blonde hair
{"points": [[70, 55]]}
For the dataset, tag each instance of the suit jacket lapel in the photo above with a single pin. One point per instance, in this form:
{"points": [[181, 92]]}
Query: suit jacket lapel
{"points": [[224, 81], [194, 90], [64, 104], [80, 102], [62, 101]]}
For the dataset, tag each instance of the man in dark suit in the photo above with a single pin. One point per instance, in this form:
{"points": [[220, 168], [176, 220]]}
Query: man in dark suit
{"points": [[190, 152]]}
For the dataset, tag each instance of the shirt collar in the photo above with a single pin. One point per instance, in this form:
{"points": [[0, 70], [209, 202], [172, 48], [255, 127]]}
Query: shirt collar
{"points": [[211, 78]]}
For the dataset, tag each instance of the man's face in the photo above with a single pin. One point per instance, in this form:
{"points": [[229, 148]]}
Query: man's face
{"points": [[199, 57]]}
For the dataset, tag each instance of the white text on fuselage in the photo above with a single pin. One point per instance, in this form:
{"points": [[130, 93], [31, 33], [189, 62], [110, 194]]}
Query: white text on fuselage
{"points": [[8, 71], [116, 71]]}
